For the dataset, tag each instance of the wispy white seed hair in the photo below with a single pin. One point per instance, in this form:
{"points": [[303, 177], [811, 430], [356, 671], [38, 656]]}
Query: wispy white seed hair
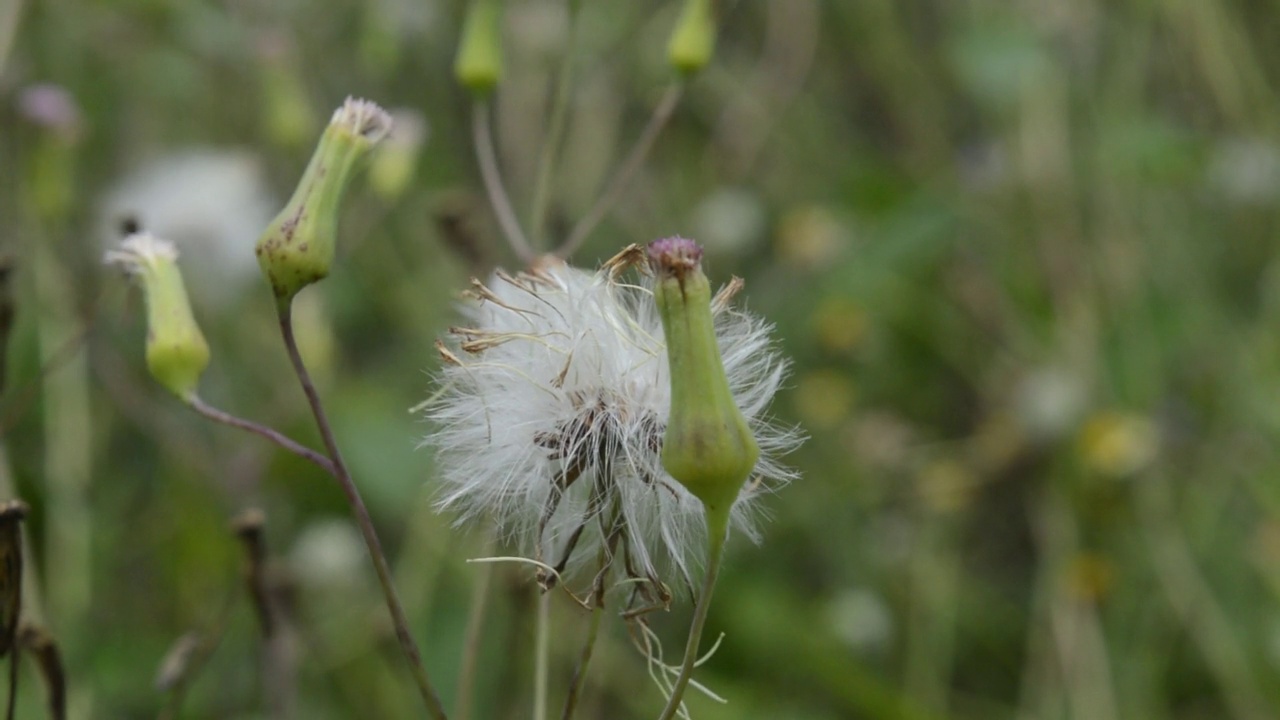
{"points": [[364, 118], [551, 410], [140, 250]]}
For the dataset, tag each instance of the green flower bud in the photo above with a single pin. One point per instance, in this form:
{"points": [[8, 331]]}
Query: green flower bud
{"points": [[694, 38], [708, 445], [177, 353], [479, 63], [297, 247]]}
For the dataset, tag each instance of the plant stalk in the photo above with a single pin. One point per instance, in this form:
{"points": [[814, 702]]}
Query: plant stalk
{"points": [[717, 532], [363, 520], [542, 657], [551, 143], [474, 635], [584, 660], [661, 114], [274, 436], [487, 157]]}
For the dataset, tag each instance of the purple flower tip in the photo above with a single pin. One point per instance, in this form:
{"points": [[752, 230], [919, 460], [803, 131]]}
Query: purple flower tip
{"points": [[50, 106], [674, 256]]}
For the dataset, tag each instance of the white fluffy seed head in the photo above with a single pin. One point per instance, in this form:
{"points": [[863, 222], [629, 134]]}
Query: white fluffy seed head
{"points": [[558, 388]]}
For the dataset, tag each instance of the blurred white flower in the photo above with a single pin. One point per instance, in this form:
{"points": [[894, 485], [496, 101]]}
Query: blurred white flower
{"points": [[861, 619], [328, 553], [212, 204], [1049, 402], [730, 219], [1246, 170], [551, 412]]}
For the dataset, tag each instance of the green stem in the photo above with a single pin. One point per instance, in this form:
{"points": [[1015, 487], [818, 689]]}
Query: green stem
{"points": [[487, 157], [661, 114], [1207, 622], [475, 629], [551, 143], [597, 613], [542, 657], [363, 520], [68, 426], [584, 660], [717, 532], [274, 436]]}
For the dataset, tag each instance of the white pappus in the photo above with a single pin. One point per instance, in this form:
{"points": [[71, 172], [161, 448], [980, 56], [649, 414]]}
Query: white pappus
{"points": [[550, 415]]}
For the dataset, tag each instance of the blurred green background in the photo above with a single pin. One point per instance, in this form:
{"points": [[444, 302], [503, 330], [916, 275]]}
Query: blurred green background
{"points": [[1022, 254]]}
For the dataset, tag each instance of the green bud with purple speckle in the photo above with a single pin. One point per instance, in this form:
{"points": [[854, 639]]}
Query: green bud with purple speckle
{"points": [[297, 247]]}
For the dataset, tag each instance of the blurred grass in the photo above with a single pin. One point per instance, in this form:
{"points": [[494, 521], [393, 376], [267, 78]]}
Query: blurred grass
{"points": [[1022, 255]]}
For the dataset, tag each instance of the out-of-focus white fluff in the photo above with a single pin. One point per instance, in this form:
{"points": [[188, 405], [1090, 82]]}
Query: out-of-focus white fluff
{"points": [[561, 365], [212, 204]]}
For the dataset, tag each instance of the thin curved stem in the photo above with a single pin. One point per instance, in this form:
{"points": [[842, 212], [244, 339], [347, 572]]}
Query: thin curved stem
{"points": [[661, 114], [542, 657], [551, 142], [716, 534], [584, 659], [474, 633], [487, 157], [20, 399], [363, 520], [604, 559], [274, 436]]}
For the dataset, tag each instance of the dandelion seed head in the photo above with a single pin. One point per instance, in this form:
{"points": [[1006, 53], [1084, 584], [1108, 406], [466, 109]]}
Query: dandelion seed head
{"points": [[551, 411]]}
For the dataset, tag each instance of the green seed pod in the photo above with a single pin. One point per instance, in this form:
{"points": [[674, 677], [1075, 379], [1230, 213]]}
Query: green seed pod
{"points": [[708, 445], [177, 353], [297, 247], [694, 38], [478, 66]]}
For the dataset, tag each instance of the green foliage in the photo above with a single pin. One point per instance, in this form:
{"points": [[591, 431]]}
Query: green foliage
{"points": [[1023, 256]]}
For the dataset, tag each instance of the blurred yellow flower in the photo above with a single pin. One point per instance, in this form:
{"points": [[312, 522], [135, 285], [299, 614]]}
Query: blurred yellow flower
{"points": [[1090, 576], [840, 324], [809, 236], [1118, 444], [823, 398], [946, 486]]}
